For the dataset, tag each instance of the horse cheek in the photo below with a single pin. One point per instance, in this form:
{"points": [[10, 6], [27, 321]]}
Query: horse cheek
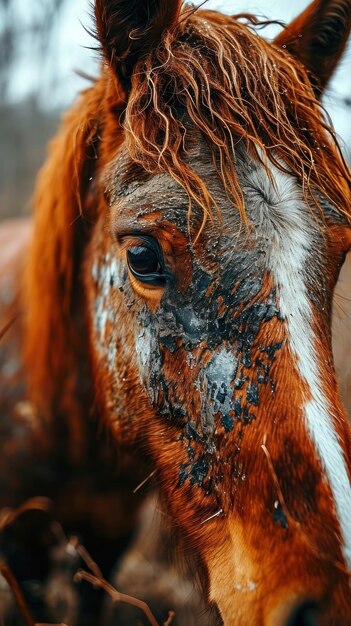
{"points": [[117, 387]]}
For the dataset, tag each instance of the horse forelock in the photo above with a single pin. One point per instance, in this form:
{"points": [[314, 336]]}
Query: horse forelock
{"points": [[214, 73]]}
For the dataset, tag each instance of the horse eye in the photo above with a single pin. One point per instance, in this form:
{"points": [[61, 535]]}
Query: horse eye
{"points": [[145, 265]]}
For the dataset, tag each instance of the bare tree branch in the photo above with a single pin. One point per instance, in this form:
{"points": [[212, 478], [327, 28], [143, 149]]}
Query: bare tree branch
{"points": [[97, 580], [17, 592]]}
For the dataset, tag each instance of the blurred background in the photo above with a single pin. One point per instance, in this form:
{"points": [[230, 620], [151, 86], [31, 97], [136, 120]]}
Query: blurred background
{"points": [[45, 45]]}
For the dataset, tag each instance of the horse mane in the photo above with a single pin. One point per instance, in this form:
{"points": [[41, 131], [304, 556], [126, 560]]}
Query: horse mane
{"points": [[209, 72], [52, 288]]}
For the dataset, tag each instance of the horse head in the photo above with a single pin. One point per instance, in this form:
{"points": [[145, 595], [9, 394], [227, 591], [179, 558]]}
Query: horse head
{"points": [[208, 221]]}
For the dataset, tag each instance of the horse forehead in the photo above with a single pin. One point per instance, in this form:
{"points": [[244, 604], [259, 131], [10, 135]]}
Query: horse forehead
{"points": [[137, 197], [273, 199], [135, 191]]}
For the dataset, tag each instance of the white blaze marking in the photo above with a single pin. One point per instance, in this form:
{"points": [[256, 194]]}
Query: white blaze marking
{"points": [[290, 243]]}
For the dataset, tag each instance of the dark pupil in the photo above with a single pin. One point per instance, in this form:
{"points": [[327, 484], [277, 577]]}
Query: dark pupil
{"points": [[143, 260]]}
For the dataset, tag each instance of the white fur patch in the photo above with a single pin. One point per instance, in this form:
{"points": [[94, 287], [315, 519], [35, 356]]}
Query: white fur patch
{"points": [[107, 275], [143, 347], [290, 228]]}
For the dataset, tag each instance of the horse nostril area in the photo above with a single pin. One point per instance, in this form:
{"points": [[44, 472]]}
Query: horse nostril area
{"points": [[304, 614]]}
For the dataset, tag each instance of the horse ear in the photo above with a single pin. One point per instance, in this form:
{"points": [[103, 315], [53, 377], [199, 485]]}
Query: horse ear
{"points": [[318, 38], [129, 29]]}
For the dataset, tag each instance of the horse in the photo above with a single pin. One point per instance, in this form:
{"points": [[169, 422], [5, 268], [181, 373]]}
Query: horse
{"points": [[174, 294]]}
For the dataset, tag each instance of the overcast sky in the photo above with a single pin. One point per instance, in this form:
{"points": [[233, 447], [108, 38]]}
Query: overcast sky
{"points": [[52, 74]]}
